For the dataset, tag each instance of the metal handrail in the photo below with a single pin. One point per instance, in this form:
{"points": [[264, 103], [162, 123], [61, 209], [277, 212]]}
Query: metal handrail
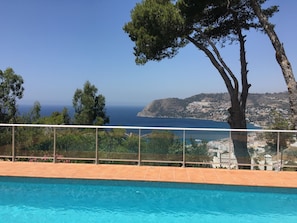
{"points": [[147, 128]]}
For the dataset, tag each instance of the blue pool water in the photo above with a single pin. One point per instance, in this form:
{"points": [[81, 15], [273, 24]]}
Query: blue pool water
{"points": [[59, 200]]}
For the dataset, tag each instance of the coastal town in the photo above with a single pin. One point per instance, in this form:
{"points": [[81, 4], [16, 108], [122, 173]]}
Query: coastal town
{"points": [[215, 107]]}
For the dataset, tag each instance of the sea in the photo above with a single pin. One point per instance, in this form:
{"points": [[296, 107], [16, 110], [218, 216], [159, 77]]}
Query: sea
{"points": [[127, 116]]}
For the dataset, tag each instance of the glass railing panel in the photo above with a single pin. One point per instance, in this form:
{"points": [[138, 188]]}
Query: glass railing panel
{"points": [[74, 144], [118, 144], [5, 142], [34, 143], [163, 147], [207, 148], [288, 150], [262, 151]]}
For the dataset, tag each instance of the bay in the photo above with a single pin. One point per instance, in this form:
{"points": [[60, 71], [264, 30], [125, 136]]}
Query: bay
{"points": [[127, 116]]}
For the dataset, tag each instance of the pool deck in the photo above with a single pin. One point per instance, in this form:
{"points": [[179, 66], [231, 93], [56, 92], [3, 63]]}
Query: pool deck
{"points": [[150, 173]]}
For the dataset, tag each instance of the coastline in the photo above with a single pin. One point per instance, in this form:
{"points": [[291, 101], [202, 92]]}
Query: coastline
{"points": [[251, 125]]}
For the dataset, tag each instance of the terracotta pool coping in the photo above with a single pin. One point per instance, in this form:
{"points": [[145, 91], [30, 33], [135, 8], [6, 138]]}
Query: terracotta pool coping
{"points": [[150, 173]]}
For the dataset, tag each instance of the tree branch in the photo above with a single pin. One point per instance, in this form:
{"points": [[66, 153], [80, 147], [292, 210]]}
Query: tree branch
{"points": [[216, 64], [218, 55]]}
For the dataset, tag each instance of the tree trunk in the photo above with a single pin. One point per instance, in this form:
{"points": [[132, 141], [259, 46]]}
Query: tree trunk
{"points": [[237, 120], [281, 59]]}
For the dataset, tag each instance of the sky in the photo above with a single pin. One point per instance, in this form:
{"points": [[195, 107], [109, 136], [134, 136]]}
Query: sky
{"points": [[58, 45]]}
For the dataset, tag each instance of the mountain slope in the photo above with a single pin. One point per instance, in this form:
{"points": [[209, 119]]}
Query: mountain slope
{"points": [[215, 107]]}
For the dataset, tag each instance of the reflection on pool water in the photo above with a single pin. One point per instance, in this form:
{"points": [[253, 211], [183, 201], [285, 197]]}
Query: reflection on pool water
{"points": [[60, 200]]}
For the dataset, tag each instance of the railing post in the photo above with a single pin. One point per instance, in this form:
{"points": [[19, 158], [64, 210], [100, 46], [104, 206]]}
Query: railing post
{"points": [[184, 148], [277, 153], [54, 160], [12, 145], [230, 151], [96, 162], [139, 147]]}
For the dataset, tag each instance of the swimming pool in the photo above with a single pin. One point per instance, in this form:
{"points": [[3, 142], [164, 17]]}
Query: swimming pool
{"points": [[61, 200]]}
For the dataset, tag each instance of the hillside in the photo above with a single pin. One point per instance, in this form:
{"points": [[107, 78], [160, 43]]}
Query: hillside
{"points": [[214, 107]]}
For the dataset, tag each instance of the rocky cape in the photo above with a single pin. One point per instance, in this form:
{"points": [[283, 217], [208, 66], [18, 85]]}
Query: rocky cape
{"points": [[215, 107]]}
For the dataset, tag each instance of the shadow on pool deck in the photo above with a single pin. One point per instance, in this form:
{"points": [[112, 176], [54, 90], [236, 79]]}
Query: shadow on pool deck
{"points": [[150, 173]]}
